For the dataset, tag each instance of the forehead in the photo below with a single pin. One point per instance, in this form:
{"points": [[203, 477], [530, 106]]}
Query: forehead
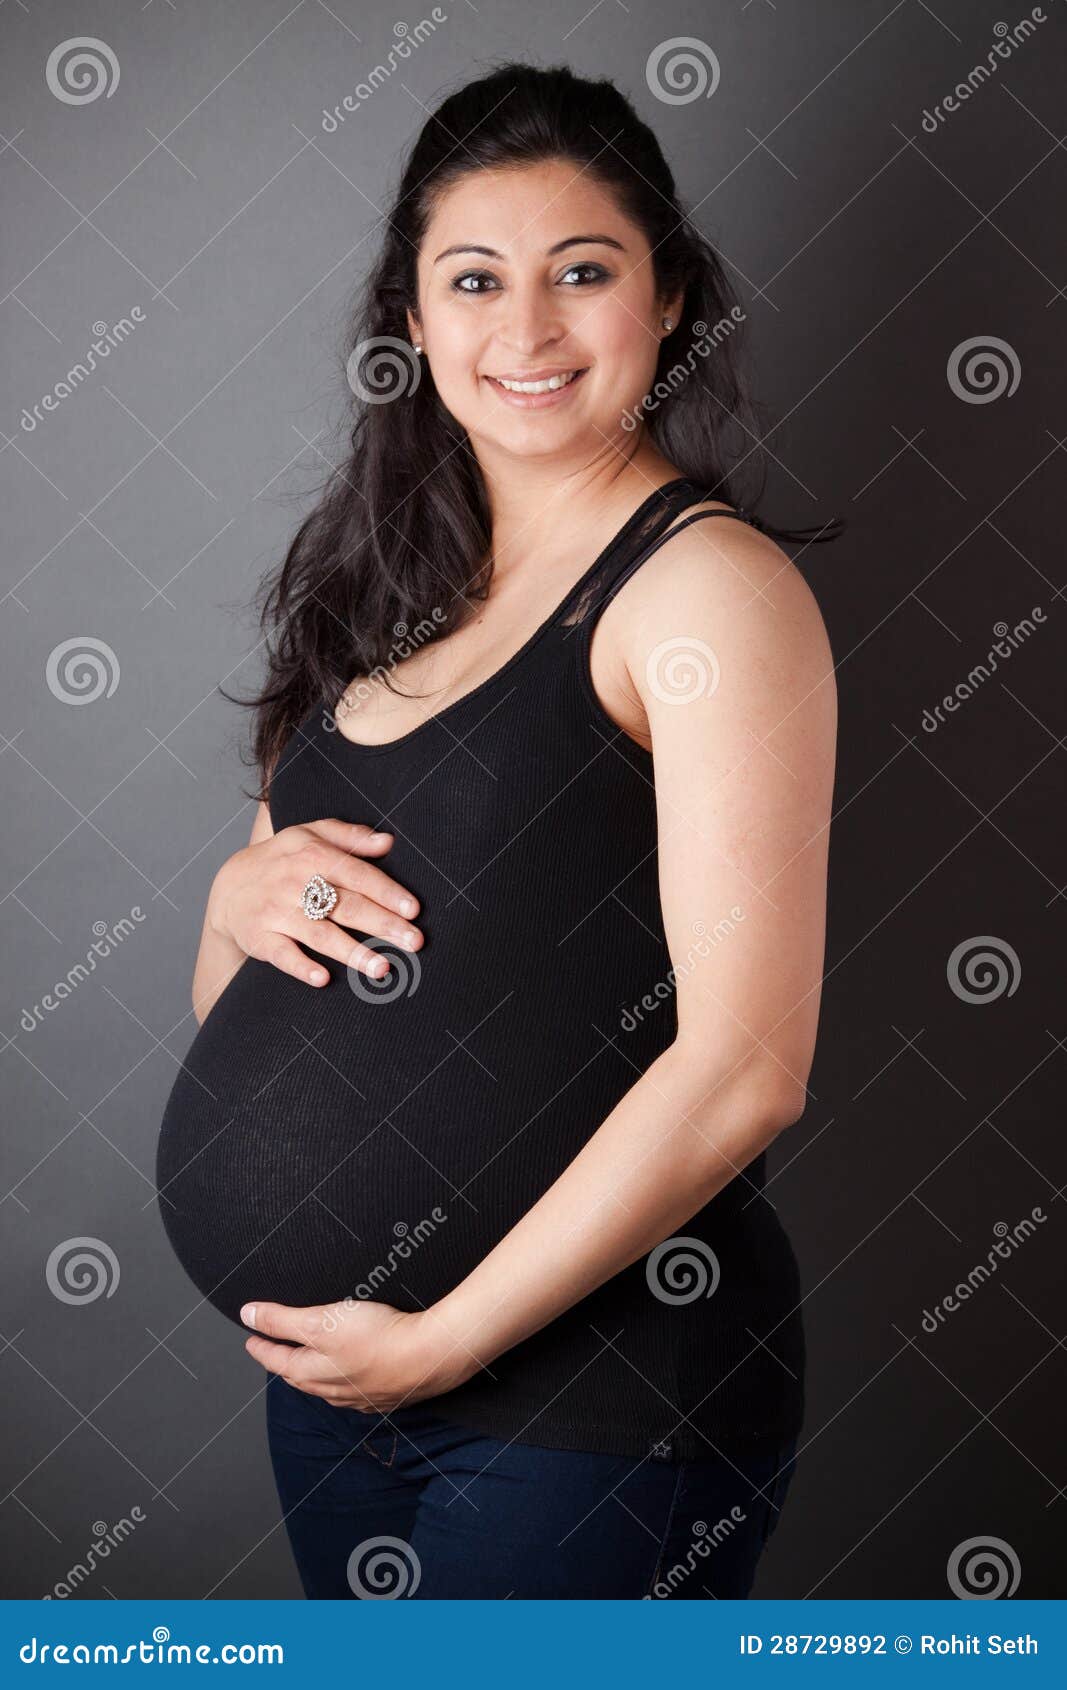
{"points": [[526, 210]]}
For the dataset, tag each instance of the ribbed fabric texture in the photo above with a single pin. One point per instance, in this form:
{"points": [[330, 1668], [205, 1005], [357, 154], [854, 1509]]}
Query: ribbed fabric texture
{"points": [[377, 1139]]}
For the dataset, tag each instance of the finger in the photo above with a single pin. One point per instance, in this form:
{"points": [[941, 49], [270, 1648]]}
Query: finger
{"points": [[356, 837], [281, 1320], [276, 1358], [365, 915], [286, 954], [346, 866], [332, 941]]}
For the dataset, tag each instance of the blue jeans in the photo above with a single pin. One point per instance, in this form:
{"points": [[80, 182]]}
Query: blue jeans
{"points": [[410, 1505]]}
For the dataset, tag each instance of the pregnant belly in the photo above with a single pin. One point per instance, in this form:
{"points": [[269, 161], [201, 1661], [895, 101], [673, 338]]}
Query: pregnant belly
{"points": [[292, 1165], [321, 1144]]}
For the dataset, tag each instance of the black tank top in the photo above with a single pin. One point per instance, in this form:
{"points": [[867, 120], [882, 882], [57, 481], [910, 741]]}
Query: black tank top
{"points": [[378, 1138]]}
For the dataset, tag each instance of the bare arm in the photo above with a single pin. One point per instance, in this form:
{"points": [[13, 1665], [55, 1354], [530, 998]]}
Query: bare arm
{"points": [[219, 957], [744, 776]]}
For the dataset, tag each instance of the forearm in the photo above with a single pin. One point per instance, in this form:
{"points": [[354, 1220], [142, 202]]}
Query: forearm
{"points": [[672, 1142], [217, 962]]}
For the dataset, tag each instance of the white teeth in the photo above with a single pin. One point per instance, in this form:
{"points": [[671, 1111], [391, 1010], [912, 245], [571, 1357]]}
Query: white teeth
{"points": [[549, 386]]}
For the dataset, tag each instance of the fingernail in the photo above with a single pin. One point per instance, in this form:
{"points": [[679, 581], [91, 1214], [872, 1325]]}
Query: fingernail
{"points": [[248, 1314]]}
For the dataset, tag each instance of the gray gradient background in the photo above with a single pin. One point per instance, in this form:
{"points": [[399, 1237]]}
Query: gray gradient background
{"points": [[143, 512]]}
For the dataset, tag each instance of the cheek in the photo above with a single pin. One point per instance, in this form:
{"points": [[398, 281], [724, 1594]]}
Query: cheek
{"points": [[616, 336], [457, 338]]}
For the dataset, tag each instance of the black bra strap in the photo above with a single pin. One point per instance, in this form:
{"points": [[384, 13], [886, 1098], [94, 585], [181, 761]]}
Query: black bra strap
{"points": [[608, 588], [650, 528]]}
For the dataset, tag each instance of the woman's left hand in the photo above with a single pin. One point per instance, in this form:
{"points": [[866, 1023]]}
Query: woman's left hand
{"points": [[358, 1354]]}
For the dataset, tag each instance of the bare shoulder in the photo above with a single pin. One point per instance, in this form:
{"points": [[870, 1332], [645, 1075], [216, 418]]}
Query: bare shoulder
{"points": [[723, 584]]}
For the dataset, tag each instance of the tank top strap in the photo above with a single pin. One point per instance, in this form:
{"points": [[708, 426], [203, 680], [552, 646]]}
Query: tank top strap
{"points": [[648, 529]]}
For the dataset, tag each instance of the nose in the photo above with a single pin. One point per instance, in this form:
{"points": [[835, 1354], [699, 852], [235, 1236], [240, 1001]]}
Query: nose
{"points": [[533, 320]]}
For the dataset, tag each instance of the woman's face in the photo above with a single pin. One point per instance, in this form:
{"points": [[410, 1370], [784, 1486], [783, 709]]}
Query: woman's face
{"points": [[534, 273]]}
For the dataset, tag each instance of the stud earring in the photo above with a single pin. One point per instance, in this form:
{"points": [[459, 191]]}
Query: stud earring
{"points": [[417, 345], [668, 323]]}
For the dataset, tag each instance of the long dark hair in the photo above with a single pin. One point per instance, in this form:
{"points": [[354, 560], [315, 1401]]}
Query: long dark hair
{"points": [[400, 537]]}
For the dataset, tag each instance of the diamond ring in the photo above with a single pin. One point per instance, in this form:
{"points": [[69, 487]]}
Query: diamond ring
{"points": [[318, 898]]}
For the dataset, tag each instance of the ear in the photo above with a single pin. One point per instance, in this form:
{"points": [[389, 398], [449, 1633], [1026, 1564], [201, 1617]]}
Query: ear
{"points": [[414, 332]]}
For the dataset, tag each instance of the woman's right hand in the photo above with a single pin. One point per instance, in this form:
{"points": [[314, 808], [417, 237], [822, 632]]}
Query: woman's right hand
{"points": [[255, 899]]}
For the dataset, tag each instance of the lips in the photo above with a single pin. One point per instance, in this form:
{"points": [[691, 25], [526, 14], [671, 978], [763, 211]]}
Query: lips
{"points": [[525, 381], [536, 384]]}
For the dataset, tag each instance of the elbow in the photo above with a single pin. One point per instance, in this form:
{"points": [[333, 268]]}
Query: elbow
{"points": [[738, 1118], [787, 1101], [768, 1103]]}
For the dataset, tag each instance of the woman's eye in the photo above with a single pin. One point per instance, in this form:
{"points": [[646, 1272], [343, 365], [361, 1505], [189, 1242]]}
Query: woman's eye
{"points": [[472, 276], [596, 272], [472, 281]]}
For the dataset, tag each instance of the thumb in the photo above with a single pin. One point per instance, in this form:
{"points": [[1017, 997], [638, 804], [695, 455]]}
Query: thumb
{"points": [[277, 1320]]}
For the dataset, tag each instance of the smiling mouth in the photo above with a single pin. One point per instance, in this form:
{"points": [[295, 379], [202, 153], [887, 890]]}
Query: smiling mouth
{"points": [[548, 384]]}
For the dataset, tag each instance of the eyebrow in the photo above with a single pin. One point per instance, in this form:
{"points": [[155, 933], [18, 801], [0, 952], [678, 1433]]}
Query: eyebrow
{"points": [[560, 246]]}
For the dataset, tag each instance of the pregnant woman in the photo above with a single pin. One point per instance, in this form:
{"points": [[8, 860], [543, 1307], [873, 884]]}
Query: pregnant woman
{"points": [[519, 974]]}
